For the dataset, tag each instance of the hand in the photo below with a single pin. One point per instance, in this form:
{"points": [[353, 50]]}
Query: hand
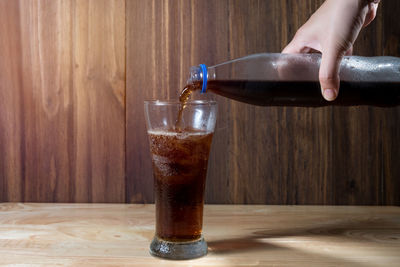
{"points": [[332, 30]]}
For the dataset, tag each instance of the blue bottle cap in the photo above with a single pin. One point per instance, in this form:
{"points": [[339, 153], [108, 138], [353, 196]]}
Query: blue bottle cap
{"points": [[204, 71]]}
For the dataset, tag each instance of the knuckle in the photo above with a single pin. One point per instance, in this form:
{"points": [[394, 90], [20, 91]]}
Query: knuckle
{"points": [[300, 34]]}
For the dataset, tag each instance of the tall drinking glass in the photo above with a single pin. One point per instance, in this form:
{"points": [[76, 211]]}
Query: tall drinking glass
{"points": [[179, 156]]}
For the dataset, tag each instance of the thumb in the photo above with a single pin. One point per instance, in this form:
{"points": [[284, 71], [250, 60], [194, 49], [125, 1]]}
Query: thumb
{"points": [[329, 73]]}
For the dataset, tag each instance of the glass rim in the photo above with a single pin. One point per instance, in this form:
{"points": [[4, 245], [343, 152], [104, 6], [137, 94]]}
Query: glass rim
{"points": [[168, 102]]}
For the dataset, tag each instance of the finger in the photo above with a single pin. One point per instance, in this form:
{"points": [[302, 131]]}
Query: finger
{"points": [[296, 45], [349, 52], [292, 48], [329, 73], [372, 9]]}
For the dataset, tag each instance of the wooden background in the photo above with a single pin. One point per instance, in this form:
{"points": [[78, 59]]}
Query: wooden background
{"points": [[74, 74]]}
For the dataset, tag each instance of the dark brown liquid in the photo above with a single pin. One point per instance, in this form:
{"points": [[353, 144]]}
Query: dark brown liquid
{"points": [[183, 98], [301, 93], [180, 167]]}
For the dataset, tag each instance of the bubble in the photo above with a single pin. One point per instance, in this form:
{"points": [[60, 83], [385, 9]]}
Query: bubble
{"points": [[305, 67], [370, 69], [180, 135], [164, 165]]}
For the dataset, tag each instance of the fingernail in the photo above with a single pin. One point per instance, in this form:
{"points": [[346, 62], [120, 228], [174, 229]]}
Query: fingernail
{"points": [[329, 94]]}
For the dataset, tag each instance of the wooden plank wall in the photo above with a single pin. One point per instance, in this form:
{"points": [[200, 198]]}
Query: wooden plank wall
{"points": [[268, 155], [62, 101], [74, 74]]}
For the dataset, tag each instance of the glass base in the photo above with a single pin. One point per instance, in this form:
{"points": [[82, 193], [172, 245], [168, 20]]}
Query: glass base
{"points": [[178, 250]]}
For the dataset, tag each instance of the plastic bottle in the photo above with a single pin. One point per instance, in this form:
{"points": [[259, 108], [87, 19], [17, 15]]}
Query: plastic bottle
{"points": [[292, 80]]}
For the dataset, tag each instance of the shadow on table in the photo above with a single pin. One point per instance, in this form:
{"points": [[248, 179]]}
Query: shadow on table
{"points": [[279, 254], [338, 233], [243, 244]]}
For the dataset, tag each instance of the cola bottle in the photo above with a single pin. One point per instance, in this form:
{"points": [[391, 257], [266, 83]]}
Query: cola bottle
{"points": [[273, 79]]}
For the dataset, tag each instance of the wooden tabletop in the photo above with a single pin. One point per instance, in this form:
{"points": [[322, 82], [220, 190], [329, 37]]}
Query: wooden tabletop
{"points": [[237, 235]]}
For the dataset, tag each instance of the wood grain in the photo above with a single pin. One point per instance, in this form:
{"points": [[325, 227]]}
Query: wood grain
{"points": [[67, 135], [366, 144], [120, 234], [62, 108], [391, 134], [11, 132], [272, 155]]}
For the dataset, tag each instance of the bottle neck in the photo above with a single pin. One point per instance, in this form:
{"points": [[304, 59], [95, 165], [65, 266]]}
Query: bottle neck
{"points": [[203, 74]]}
